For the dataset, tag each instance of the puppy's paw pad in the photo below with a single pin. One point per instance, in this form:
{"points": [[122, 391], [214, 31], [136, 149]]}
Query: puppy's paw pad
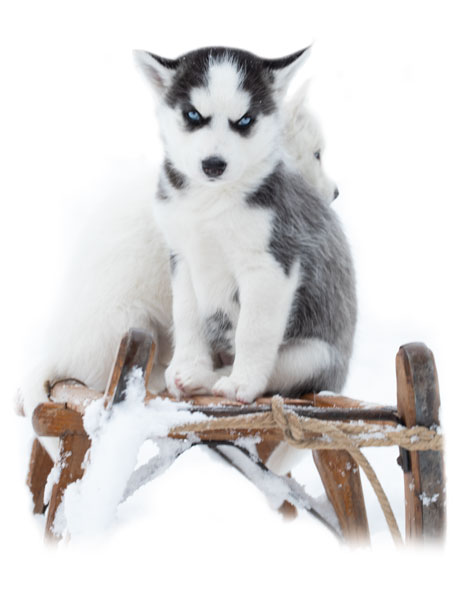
{"points": [[193, 380], [226, 388], [246, 394]]}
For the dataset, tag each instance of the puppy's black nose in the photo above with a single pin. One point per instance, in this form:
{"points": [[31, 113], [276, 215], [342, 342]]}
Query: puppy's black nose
{"points": [[336, 192], [213, 166]]}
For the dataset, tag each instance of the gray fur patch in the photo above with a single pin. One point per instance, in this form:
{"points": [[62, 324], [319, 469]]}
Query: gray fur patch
{"points": [[218, 330], [162, 194], [175, 178], [307, 231], [192, 70], [173, 262]]}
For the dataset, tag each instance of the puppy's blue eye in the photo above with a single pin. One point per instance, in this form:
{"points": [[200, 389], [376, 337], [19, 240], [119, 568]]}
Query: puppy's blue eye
{"points": [[245, 121], [194, 116], [317, 155]]}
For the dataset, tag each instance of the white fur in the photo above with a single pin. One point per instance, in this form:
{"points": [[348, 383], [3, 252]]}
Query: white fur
{"points": [[303, 139]]}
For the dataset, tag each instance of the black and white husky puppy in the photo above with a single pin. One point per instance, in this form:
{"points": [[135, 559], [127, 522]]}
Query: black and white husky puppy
{"points": [[262, 278]]}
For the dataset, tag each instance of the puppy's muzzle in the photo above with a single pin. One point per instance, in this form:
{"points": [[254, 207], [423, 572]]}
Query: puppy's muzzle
{"points": [[213, 166]]}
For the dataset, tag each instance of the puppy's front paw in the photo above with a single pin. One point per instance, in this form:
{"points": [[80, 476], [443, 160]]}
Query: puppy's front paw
{"points": [[245, 391], [187, 379]]}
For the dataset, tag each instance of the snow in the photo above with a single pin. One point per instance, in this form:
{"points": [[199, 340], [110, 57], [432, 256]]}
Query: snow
{"points": [[428, 500], [280, 488], [76, 116], [90, 504]]}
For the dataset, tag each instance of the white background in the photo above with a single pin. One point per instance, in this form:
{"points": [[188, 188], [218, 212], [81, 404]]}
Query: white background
{"points": [[74, 114]]}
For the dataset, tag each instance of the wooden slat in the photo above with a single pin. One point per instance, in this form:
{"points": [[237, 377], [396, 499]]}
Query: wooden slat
{"points": [[335, 401], [38, 472], [418, 404], [137, 349], [75, 395], [54, 419], [340, 475], [328, 401], [341, 479], [73, 448]]}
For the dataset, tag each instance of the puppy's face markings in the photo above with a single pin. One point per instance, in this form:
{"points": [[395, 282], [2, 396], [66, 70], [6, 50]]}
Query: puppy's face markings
{"points": [[219, 120], [218, 103]]}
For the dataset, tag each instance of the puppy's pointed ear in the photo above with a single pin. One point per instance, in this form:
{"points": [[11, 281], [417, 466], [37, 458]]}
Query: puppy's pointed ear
{"points": [[298, 101], [302, 93], [157, 70], [284, 69]]}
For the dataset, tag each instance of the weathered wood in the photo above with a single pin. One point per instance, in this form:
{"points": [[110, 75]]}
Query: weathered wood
{"points": [[74, 395], [54, 419], [418, 404], [325, 400], [335, 401], [339, 472], [73, 448], [137, 349], [227, 435], [266, 447], [38, 472], [341, 479], [384, 415]]}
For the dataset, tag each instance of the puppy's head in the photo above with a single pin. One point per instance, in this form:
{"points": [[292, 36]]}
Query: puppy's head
{"points": [[304, 141], [219, 109]]}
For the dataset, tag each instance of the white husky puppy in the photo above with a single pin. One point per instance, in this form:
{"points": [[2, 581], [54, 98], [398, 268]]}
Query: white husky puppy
{"points": [[262, 278], [304, 141], [120, 277]]}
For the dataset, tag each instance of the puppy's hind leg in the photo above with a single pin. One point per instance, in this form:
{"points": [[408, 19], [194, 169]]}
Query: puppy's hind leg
{"points": [[303, 367], [309, 365]]}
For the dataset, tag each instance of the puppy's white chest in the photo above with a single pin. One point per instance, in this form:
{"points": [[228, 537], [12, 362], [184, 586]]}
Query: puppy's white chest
{"points": [[210, 229]]}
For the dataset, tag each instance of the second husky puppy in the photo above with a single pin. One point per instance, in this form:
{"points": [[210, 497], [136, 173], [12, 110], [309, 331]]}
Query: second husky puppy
{"points": [[262, 274], [304, 141]]}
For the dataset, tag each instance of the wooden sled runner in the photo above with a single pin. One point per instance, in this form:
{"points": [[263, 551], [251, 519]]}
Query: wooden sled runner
{"points": [[326, 424]]}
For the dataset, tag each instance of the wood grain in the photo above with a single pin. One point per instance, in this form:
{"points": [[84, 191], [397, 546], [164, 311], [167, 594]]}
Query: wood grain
{"points": [[55, 419], [38, 472], [340, 476], [424, 482], [73, 447], [137, 350]]}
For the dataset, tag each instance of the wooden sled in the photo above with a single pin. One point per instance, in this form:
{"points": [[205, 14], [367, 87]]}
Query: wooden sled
{"points": [[417, 404]]}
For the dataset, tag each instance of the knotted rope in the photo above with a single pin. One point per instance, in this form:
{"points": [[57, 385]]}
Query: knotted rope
{"points": [[298, 433], [318, 434], [321, 434]]}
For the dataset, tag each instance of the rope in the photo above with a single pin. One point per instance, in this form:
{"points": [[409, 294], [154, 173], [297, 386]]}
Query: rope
{"points": [[318, 434], [295, 431]]}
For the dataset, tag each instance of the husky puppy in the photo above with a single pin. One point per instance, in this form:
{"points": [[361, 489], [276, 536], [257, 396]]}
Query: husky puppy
{"points": [[304, 141], [262, 277]]}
